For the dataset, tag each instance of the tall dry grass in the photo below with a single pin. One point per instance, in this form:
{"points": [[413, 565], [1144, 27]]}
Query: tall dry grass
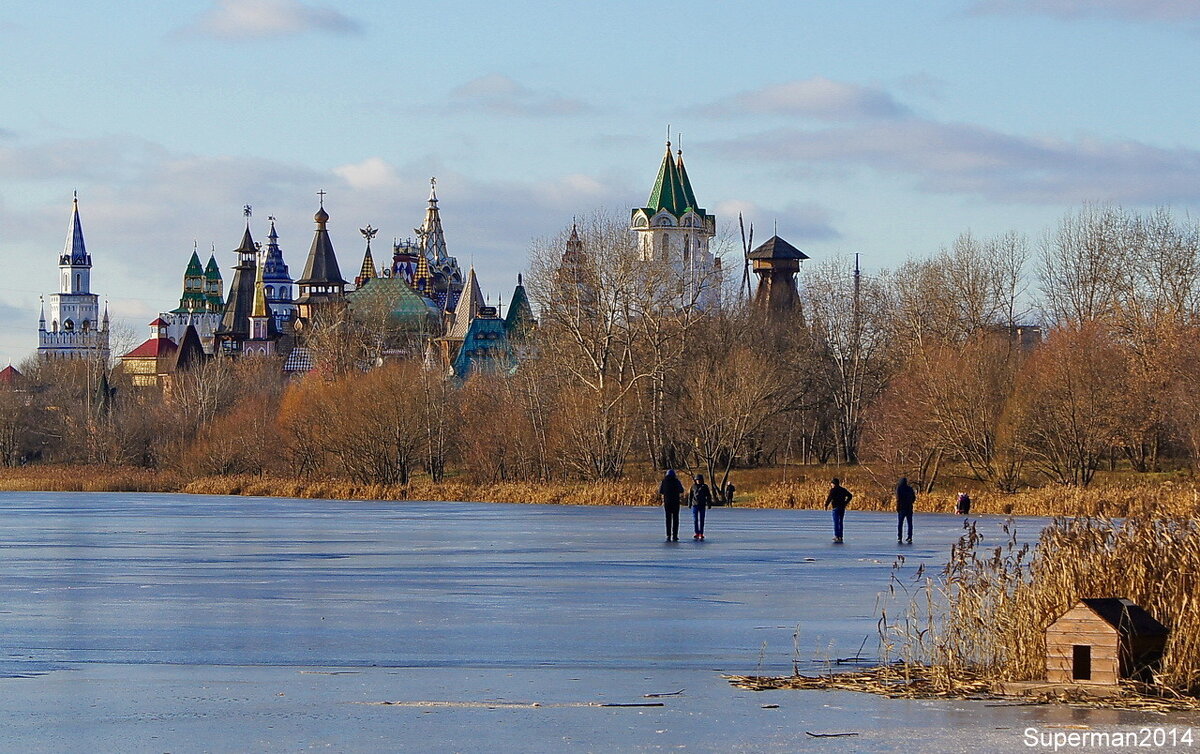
{"points": [[87, 479], [590, 493], [988, 611], [1111, 498]]}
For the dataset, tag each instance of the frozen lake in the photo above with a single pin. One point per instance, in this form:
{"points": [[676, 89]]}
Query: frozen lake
{"points": [[181, 623]]}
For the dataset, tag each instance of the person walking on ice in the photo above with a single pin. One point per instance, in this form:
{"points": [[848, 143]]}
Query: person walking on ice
{"points": [[671, 491], [700, 500], [906, 498], [837, 499]]}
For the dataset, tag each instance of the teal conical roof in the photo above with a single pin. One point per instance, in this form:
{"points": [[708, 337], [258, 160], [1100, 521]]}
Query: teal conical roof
{"points": [[688, 197], [212, 270], [668, 191], [519, 319], [194, 268], [672, 189]]}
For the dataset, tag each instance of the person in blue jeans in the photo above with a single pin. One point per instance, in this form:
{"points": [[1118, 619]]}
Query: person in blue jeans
{"points": [[700, 500], [837, 499]]}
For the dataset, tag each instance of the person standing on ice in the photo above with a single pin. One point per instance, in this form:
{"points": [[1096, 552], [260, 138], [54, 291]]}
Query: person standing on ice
{"points": [[671, 491], [699, 500], [837, 499], [963, 506], [906, 498]]}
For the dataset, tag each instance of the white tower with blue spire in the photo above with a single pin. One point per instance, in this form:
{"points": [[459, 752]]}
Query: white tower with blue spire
{"points": [[76, 329]]}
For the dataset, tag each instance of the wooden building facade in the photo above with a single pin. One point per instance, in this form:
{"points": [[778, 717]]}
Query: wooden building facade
{"points": [[1098, 642]]}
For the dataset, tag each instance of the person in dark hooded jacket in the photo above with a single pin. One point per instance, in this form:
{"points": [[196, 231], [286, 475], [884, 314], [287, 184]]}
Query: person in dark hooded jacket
{"points": [[906, 498], [837, 499], [671, 491], [700, 500]]}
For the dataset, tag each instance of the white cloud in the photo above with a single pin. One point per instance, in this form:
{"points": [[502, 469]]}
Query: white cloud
{"points": [[257, 19], [816, 97], [797, 222], [500, 95], [371, 174], [1134, 10], [967, 159]]}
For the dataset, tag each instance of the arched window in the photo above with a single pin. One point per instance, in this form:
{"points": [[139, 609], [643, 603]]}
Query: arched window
{"points": [[68, 325], [87, 325], [270, 291]]}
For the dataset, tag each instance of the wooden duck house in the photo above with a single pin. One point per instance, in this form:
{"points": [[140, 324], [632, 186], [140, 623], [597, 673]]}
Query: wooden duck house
{"points": [[1100, 641]]}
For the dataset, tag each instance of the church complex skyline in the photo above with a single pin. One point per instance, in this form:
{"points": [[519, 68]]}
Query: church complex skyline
{"points": [[884, 129]]}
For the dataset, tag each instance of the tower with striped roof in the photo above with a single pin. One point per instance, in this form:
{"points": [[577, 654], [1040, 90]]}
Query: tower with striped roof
{"points": [[76, 328], [674, 229]]}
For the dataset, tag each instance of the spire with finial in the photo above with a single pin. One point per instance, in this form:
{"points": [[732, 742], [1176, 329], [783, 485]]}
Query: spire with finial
{"points": [[276, 274], [322, 217], [259, 308], [74, 250], [322, 281], [42, 317], [432, 238]]}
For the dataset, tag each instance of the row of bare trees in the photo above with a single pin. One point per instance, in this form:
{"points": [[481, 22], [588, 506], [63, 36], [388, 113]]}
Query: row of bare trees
{"points": [[927, 368]]}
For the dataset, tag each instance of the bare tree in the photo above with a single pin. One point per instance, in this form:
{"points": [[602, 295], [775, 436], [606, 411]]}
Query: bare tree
{"points": [[851, 323], [609, 329]]}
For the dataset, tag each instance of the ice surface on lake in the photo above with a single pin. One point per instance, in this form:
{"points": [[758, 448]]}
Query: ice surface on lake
{"points": [[176, 623]]}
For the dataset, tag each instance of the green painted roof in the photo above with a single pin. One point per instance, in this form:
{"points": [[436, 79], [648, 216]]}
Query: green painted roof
{"points": [[194, 268], [519, 319], [672, 189], [212, 270], [688, 197], [406, 309]]}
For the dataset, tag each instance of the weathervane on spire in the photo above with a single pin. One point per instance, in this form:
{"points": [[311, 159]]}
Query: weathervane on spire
{"points": [[368, 233], [247, 210]]}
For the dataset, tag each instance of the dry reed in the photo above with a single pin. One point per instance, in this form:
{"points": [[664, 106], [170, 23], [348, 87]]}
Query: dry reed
{"points": [[1111, 499], [987, 613]]}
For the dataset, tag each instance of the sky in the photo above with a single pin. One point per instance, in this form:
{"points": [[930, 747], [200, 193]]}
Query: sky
{"points": [[882, 128]]}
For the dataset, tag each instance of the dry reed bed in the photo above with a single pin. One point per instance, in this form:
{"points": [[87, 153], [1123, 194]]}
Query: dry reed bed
{"points": [[1101, 499], [1110, 499], [924, 682]]}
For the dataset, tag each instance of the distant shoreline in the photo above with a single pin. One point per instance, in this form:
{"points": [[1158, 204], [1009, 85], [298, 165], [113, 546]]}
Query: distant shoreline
{"points": [[1107, 499]]}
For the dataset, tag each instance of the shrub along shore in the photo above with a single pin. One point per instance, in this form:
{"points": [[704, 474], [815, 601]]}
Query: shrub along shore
{"points": [[1109, 499]]}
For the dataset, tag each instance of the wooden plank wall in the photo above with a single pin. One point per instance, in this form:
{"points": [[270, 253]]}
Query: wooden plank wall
{"points": [[1081, 626]]}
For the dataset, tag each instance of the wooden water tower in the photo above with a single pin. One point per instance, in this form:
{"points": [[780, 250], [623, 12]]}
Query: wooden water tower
{"points": [[1100, 641], [776, 263]]}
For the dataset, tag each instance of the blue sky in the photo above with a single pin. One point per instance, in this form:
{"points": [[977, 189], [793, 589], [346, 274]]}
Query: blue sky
{"points": [[885, 128]]}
